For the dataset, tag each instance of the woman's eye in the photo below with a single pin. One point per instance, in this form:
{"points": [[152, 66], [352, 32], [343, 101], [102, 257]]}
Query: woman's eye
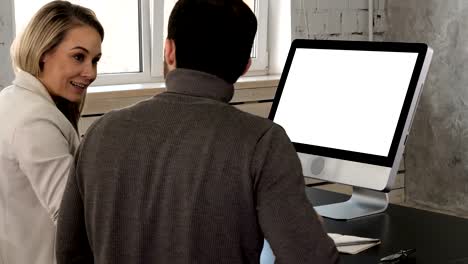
{"points": [[79, 57]]}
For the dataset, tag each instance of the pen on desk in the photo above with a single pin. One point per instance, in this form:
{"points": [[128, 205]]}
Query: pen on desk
{"points": [[354, 243]]}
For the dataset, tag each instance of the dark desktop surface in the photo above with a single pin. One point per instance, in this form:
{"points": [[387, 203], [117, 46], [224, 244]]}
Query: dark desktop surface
{"points": [[437, 238]]}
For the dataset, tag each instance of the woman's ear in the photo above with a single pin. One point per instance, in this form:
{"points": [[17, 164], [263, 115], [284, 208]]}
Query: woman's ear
{"points": [[46, 56], [42, 60]]}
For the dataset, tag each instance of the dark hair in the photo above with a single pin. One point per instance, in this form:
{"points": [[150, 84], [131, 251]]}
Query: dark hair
{"points": [[213, 36]]}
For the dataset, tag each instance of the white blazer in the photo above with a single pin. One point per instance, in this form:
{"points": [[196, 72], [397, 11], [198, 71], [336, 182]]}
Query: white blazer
{"points": [[37, 144]]}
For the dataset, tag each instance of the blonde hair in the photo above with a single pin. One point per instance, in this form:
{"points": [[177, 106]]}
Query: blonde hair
{"points": [[43, 33]]}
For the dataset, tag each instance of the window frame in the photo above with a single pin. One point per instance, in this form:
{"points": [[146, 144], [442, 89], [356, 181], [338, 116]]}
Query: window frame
{"points": [[151, 26], [260, 63], [145, 54]]}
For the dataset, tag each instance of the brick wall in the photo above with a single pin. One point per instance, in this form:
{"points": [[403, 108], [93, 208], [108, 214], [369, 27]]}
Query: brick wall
{"points": [[337, 19]]}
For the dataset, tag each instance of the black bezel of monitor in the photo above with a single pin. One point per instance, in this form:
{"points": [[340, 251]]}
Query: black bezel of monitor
{"points": [[387, 161]]}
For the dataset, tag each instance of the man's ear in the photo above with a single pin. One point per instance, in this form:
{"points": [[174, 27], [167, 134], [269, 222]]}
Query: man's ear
{"points": [[247, 67], [169, 52]]}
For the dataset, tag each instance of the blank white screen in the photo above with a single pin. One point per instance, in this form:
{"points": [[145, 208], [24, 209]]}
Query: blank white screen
{"points": [[345, 99]]}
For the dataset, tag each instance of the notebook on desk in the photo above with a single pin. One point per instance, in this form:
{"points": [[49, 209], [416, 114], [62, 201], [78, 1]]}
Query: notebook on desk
{"points": [[352, 244]]}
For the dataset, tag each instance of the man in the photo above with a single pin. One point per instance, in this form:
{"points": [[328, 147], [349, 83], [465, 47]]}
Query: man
{"points": [[184, 177]]}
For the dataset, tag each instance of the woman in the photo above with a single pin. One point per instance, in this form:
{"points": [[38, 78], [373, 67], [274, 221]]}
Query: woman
{"points": [[55, 61]]}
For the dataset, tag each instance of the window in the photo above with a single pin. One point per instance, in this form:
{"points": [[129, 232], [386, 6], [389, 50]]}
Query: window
{"points": [[135, 33]]}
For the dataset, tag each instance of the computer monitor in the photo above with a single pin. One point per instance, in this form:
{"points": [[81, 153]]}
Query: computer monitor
{"points": [[348, 106]]}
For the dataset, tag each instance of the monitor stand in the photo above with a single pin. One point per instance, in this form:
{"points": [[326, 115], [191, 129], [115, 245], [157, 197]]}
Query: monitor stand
{"points": [[363, 202]]}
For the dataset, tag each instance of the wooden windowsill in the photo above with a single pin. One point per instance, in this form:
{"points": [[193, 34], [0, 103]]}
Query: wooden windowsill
{"points": [[143, 89], [101, 99]]}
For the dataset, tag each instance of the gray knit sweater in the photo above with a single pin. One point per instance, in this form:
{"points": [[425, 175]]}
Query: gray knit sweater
{"points": [[186, 178]]}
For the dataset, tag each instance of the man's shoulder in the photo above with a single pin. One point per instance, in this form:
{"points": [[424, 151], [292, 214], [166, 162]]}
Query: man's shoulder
{"points": [[260, 121], [107, 123], [251, 117], [124, 120], [120, 116]]}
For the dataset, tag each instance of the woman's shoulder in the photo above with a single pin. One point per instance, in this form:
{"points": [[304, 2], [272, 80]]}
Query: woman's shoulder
{"points": [[22, 107]]}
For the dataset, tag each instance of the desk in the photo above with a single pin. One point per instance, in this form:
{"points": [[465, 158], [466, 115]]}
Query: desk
{"points": [[438, 238]]}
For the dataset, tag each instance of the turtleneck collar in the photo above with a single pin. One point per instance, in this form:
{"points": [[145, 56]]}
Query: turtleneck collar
{"points": [[201, 84]]}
